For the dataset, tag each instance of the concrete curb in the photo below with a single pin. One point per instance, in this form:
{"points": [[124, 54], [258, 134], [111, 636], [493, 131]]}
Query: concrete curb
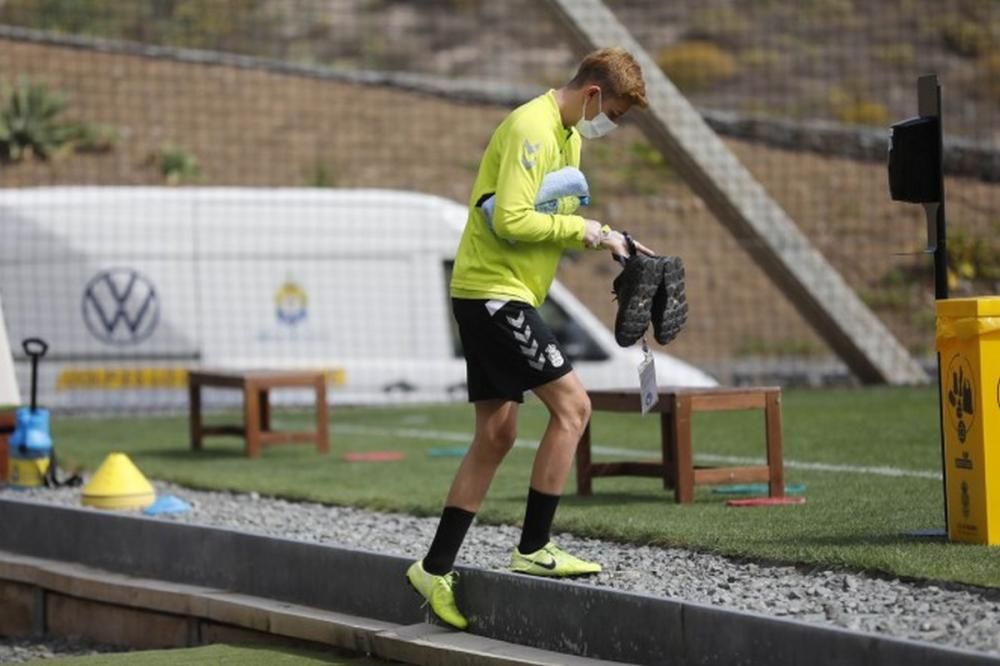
{"points": [[555, 616], [39, 596], [184, 602]]}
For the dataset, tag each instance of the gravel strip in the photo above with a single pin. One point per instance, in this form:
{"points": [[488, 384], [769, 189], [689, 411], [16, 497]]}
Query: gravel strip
{"points": [[957, 616], [20, 650]]}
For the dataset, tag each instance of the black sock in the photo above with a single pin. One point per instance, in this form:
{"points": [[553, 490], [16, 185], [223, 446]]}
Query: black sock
{"points": [[538, 517], [447, 540]]}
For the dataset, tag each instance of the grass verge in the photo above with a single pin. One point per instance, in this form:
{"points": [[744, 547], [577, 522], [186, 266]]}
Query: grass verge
{"points": [[854, 518]]}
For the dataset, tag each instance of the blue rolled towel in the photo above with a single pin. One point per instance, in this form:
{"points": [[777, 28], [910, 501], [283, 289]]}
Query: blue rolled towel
{"points": [[562, 191], [566, 183]]}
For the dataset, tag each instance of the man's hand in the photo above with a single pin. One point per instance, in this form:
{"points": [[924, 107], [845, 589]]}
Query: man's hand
{"points": [[619, 247], [596, 236], [592, 234]]}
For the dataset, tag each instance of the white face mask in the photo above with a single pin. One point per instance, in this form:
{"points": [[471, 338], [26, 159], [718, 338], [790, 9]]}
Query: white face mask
{"points": [[597, 126]]}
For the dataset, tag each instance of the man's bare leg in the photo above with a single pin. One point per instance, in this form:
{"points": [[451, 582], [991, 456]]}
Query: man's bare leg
{"points": [[496, 430], [569, 413]]}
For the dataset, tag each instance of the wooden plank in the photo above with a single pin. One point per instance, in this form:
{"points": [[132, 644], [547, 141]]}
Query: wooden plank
{"points": [[265, 409], [114, 625], [616, 401], [235, 430], [17, 608], [322, 417], [742, 205], [264, 378], [626, 468], [683, 460], [212, 378], [272, 380], [251, 419], [704, 399], [668, 450], [286, 437], [727, 402], [714, 476], [772, 428], [194, 415], [715, 390]]}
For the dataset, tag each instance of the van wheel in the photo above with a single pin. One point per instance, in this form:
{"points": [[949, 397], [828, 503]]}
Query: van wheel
{"points": [[401, 386]]}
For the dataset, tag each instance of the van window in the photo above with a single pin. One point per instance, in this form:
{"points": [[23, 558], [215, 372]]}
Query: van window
{"points": [[575, 341]]}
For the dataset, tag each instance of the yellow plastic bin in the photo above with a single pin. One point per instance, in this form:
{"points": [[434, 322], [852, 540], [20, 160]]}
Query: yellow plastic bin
{"points": [[968, 339]]}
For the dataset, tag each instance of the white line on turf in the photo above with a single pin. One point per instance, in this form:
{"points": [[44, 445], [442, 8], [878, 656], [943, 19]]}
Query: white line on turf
{"points": [[465, 438]]}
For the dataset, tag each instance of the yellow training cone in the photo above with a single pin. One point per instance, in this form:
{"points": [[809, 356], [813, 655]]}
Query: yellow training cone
{"points": [[118, 484]]}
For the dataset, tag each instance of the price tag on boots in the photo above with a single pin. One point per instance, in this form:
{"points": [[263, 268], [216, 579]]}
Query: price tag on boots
{"points": [[647, 379]]}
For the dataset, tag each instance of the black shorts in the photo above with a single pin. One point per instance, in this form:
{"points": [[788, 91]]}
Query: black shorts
{"points": [[508, 350]]}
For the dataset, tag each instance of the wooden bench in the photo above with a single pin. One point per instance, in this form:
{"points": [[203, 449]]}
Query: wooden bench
{"points": [[677, 467], [7, 422], [256, 427]]}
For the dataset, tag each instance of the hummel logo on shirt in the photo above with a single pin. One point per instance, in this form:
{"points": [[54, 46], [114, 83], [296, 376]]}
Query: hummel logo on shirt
{"points": [[529, 149]]}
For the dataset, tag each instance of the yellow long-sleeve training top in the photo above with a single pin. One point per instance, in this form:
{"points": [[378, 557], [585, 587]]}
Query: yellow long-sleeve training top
{"points": [[527, 145]]}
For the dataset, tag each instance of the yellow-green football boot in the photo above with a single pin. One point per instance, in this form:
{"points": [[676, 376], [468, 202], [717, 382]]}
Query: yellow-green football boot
{"points": [[550, 560], [438, 592]]}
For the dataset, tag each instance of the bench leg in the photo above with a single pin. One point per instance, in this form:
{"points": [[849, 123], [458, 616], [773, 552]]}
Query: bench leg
{"points": [[251, 419], [681, 443], [775, 465], [322, 412], [264, 404], [667, 448], [583, 485], [194, 407]]}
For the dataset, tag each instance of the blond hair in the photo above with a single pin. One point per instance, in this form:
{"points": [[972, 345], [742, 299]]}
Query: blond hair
{"points": [[616, 71]]}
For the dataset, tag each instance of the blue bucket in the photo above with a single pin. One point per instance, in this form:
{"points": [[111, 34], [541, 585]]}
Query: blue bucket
{"points": [[30, 447]]}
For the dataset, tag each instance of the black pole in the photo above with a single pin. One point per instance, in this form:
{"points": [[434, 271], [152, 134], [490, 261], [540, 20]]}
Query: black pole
{"points": [[929, 105], [34, 381], [35, 348], [941, 254]]}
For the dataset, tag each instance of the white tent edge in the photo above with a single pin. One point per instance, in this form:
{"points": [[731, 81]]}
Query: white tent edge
{"points": [[9, 394]]}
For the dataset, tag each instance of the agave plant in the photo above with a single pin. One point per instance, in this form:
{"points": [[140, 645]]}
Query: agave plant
{"points": [[29, 119], [177, 164]]}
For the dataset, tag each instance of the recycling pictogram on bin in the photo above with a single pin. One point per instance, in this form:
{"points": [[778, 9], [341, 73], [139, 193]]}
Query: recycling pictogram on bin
{"points": [[960, 395]]}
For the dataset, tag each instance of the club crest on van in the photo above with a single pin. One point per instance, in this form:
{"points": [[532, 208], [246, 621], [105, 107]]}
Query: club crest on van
{"points": [[290, 303], [120, 307]]}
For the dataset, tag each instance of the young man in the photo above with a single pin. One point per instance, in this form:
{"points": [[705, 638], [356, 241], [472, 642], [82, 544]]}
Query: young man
{"points": [[503, 270]]}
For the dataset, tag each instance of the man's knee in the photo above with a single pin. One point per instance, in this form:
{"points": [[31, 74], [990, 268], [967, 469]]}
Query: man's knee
{"points": [[574, 412], [498, 438]]}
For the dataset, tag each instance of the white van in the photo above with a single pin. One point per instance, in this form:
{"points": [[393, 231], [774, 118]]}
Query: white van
{"points": [[131, 286]]}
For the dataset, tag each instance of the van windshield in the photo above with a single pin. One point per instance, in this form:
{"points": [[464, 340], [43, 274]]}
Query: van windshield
{"points": [[575, 341]]}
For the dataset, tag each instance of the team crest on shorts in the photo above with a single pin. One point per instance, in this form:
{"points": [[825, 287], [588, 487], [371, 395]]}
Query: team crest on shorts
{"points": [[555, 356]]}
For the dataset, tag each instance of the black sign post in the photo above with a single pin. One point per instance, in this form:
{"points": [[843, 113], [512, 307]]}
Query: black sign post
{"points": [[916, 175]]}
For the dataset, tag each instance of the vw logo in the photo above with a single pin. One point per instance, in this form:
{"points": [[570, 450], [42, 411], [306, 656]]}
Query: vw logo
{"points": [[120, 307]]}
